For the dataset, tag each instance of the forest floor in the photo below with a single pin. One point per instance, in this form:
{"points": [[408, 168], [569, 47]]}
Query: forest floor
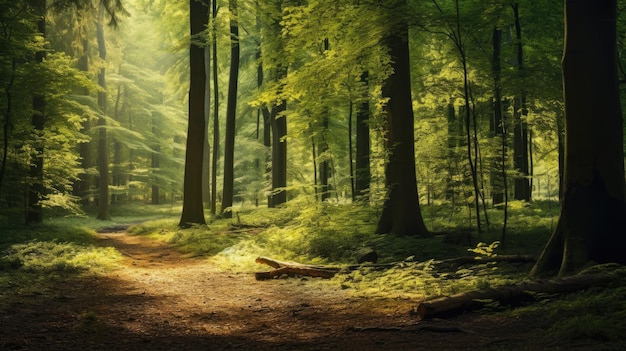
{"points": [[158, 299]]}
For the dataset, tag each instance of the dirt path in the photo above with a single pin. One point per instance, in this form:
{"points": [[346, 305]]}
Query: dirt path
{"points": [[160, 300]]}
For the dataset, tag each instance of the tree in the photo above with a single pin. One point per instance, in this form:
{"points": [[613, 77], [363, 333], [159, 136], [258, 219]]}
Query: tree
{"points": [[193, 212], [231, 107], [274, 57], [103, 153], [401, 211], [497, 189], [520, 124], [362, 173], [323, 150], [36, 189], [593, 206], [216, 108]]}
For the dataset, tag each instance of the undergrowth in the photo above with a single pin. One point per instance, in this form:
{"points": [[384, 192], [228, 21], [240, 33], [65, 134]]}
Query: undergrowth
{"points": [[34, 258], [328, 233], [310, 232], [593, 314]]}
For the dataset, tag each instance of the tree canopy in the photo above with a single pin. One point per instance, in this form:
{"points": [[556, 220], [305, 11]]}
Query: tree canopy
{"points": [[397, 105]]}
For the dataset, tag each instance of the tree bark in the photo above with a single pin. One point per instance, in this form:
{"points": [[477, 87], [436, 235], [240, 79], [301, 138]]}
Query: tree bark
{"points": [[362, 169], [592, 221], [294, 268], [231, 107], [278, 121], [193, 212], [401, 211], [522, 190], [497, 190], [216, 109]]}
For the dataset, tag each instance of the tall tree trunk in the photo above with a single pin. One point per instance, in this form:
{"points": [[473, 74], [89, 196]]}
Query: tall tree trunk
{"points": [[498, 167], [560, 130], [324, 163], [216, 116], [363, 174], [8, 115], [468, 113], [323, 150], [263, 113], [351, 150], [453, 140], [231, 108], [116, 176], [206, 164], [592, 221], [85, 181], [401, 211], [278, 123], [34, 212], [103, 155], [520, 127], [193, 212]]}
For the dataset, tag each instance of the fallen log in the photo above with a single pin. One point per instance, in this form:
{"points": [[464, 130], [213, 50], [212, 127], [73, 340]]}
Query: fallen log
{"points": [[322, 271], [294, 268], [449, 305]]}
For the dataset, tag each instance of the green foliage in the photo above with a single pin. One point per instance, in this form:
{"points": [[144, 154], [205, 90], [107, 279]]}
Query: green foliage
{"points": [[485, 251], [595, 314], [53, 256], [63, 247]]}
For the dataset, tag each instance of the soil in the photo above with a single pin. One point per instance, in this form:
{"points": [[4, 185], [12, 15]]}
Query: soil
{"points": [[161, 300]]}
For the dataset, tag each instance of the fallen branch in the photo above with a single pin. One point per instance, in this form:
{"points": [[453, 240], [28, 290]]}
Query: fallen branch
{"points": [[294, 268], [322, 271], [512, 293]]}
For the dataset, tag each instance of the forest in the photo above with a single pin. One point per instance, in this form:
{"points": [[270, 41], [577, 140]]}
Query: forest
{"points": [[312, 174]]}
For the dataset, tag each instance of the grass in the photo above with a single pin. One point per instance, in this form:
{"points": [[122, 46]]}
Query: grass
{"points": [[311, 232]]}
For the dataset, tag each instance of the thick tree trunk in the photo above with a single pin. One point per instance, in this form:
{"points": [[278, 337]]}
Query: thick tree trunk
{"points": [[592, 222], [522, 189], [216, 109], [8, 115], [560, 130], [193, 212], [206, 164], [231, 107], [401, 211], [278, 122]]}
